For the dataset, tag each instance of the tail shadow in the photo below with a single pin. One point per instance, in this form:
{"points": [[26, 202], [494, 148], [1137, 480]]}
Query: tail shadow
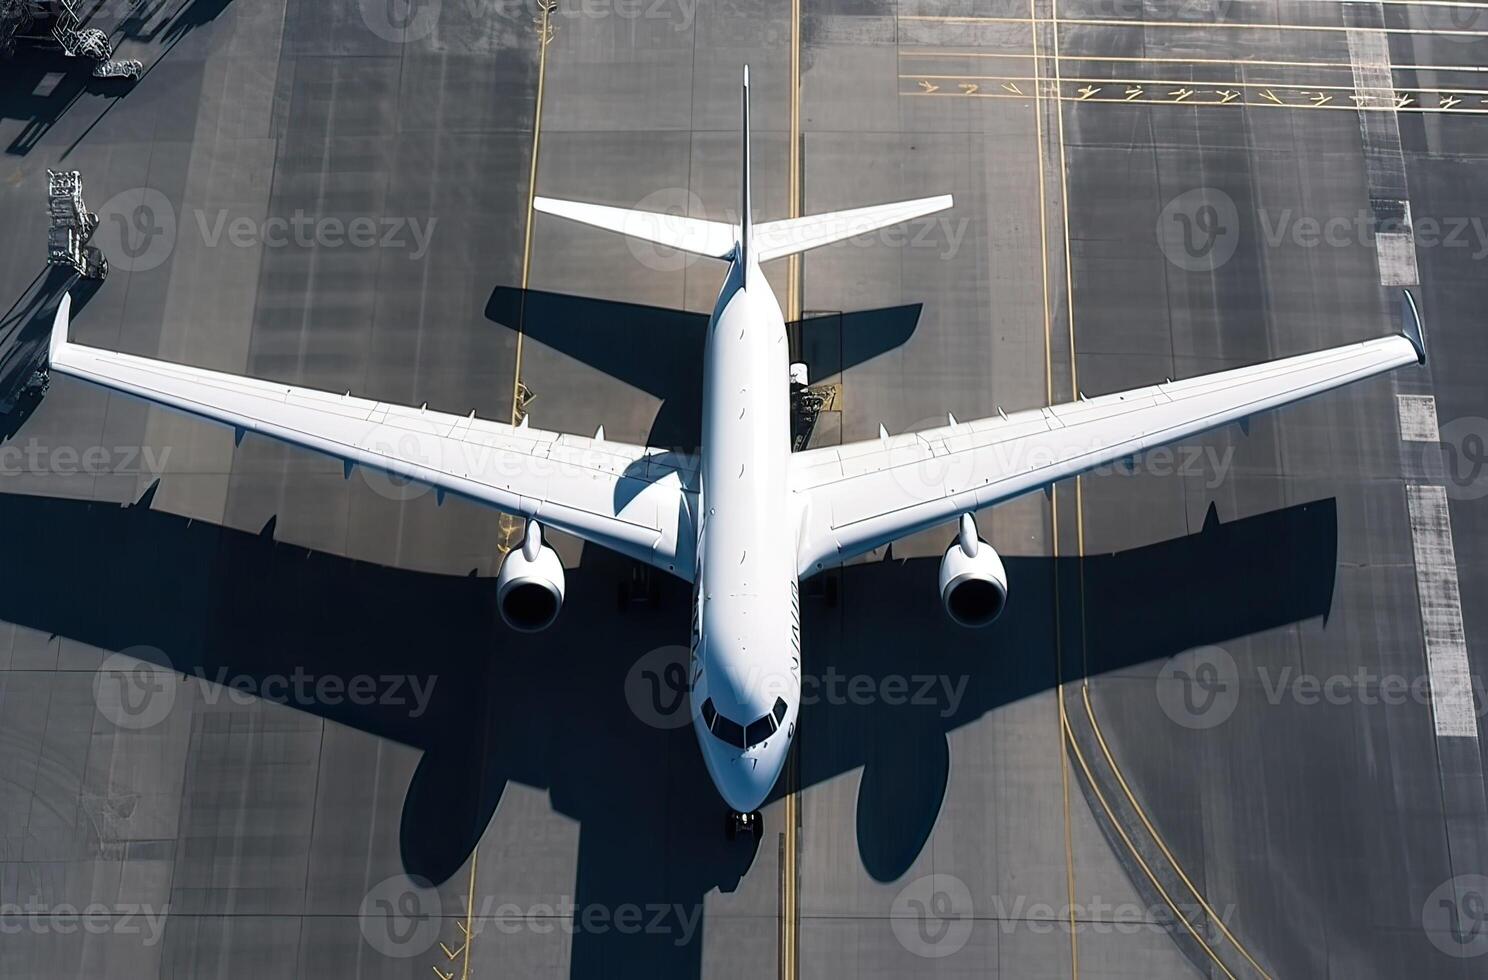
{"points": [[660, 351]]}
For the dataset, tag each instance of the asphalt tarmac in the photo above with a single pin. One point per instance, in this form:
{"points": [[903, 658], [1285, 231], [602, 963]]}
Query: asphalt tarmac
{"points": [[261, 719]]}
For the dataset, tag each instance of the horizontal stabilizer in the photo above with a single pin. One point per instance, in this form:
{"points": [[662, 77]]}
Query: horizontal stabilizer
{"points": [[776, 239], [696, 235], [60, 324]]}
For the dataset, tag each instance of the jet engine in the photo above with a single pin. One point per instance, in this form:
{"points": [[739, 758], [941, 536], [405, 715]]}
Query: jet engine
{"points": [[529, 587], [973, 583]]}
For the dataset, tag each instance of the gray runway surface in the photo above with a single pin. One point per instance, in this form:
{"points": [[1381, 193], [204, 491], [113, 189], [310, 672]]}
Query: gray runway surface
{"points": [[259, 719]]}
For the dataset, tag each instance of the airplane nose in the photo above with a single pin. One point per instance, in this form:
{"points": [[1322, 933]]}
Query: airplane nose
{"points": [[743, 780], [746, 782]]}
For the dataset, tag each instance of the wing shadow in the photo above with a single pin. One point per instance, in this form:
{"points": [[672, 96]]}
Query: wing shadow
{"points": [[551, 711]]}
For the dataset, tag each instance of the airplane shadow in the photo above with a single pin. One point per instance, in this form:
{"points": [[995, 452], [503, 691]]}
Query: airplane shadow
{"points": [[658, 350], [555, 711]]}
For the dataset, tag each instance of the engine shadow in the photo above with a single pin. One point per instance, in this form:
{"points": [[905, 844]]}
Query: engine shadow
{"points": [[658, 350], [1146, 604], [555, 711]]}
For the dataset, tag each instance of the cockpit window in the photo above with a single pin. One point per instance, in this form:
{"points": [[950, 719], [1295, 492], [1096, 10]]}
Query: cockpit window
{"points": [[759, 730], [730, 731], [742, 736]]}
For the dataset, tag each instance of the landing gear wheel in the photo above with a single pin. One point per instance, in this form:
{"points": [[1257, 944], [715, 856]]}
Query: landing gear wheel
{"points": [[744, 823]]}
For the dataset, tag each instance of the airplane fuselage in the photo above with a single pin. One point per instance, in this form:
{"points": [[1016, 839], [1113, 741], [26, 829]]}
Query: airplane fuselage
{"points": [[746, 655]]}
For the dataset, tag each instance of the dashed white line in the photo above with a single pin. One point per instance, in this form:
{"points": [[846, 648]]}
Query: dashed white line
{"points": [[1441, 613]]}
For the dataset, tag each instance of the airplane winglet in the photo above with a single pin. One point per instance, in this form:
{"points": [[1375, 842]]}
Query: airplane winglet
{"points": [[59, 327], [1410, 325]]}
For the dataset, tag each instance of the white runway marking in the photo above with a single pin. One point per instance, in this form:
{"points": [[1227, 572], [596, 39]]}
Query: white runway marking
{"points": [[1417, 418], [1441, 612]]}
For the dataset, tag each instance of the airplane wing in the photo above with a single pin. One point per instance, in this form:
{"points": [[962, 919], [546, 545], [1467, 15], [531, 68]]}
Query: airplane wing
{"points": [[854, 498], [634, 500]]}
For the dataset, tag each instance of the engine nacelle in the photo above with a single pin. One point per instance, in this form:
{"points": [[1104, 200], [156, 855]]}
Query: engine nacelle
{"points": [[529, 587], [973, 583]]}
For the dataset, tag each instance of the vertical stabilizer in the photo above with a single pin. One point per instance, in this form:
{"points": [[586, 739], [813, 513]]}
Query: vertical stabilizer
{"points": [[746, 214]]}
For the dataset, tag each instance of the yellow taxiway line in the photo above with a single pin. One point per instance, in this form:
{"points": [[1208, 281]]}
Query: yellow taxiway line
{"points": [[1067, 733], [790, 909]]}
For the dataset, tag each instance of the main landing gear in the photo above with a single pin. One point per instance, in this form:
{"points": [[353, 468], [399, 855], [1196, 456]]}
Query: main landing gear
{"points": [[745, 823]]}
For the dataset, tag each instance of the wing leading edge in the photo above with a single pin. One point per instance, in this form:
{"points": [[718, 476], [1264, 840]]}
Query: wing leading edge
{"points": [[854, 498], [631, 499]]}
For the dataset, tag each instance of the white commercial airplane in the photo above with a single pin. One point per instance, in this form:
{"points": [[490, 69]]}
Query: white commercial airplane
{"points": [[746, 520]]}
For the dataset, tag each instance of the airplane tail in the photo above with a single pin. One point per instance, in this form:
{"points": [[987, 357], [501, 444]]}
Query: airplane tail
{"points": [[720, 240], [777, 239]]}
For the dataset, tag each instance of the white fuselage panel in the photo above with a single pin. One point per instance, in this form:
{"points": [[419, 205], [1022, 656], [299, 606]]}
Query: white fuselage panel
{"points": [[747, 649]]}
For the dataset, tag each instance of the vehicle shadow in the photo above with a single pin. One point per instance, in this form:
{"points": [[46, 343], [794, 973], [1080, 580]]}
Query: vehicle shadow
{"points": [[555, 711], [658, 350], [24, 331], [37, 87], [169, 21]]}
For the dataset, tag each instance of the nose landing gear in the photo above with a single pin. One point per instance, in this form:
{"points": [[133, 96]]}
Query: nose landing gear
{"points": [[744, 823]]}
